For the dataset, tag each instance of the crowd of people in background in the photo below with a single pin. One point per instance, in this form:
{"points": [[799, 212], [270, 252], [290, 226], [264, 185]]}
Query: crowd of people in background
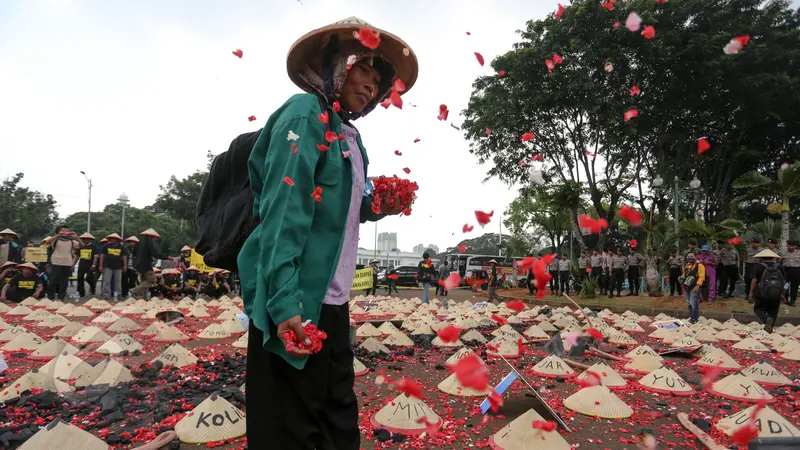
{"points": [[120, 267]]}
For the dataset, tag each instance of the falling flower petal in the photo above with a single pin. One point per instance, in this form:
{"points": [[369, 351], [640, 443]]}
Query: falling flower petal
{"points": [[462, 248], [406, 170], [238, 53], [630, 114], [386, 103], [516, 305], [560, 11], [483, 218], [443, 112], [527, 137], [495, 401], [449, 334], [455, 127], [288, 181], [323, 147], [396, 100], [398, 153], [631, 215], [595, 334], [550, 65], [609, 67], [369, 38], [501, 74], [735, 240], [744, 434], [252, 118], [537, 157], [607, 5], [499, 320], [557, 58], [649, 32], [416, 140], [479, 57], [702, 146], [399, 86], [634, 91], [466, 228], [633, 22], [544, 425], [472, 372], [616, 25], [591, 379], [488, 131], [451, 282], [633, 243]]}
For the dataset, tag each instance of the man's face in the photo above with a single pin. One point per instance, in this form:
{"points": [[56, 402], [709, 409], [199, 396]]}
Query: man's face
{"points": [[360, 87], [595, 252], [692, 246], [791, 247], [672, 254], [8, 237], [755, 244], [26, 272], [29, 244], [619, 252]]}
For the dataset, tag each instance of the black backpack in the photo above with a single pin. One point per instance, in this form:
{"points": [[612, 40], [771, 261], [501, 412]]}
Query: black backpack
{"points": [[770, 284], [225, 209]]}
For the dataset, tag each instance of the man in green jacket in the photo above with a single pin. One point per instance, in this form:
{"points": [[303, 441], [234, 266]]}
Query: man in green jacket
{"points": [[308, 176]]}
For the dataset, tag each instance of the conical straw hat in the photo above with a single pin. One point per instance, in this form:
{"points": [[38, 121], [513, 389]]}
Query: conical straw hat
{"points": [[213, 331], [37, 316], [641, 350], [373, 345], [91, 302], [101, 305], [403, 415], [632, 327], [19, 310], [766, 375], [520, 435], [30, 380], [118, 344], [504, 348], [770, 424], [368, 330], [69, 330], [176, 355], [107, 372], [793, 355], [644, 364], [703, 350], [740, 388], [452, 386], [66, 309], [387, 328], [54, 321], [227, 314], [687, 342], [467, 323], [456, 357], [705, 336], [133, 310], [399, 339], [90, 334], [51, 349], [215, 419], [65, 367], [787, 345], [510, 335], [169, 334], [198, 311], [54, 305], [58, 434], [535, 332], [12, 332], [106, 317], [719, 358], [23, 342], [771, 339], [608, 376], [80, 311], [153, 329], [242, 341], [598, 401], [4, 308], [233, 326], [728, 335], [30, 301], [665, 381], [547, 326], [499, 331], [749, 343], [438, 342], [621, 337], [552, 366], [660, 333], [124, 325], [474, 336], [359, 368], [422, 329]]}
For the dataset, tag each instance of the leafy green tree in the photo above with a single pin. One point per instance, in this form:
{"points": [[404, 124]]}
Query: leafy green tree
{"points": [[178, 199], [777, 191], [534, 212], [31, 214], [710, 233], [486, 244]]}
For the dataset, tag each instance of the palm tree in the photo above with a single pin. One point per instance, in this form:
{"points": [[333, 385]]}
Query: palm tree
{"points": [[766, 229], [779, 191], [728, 228]]}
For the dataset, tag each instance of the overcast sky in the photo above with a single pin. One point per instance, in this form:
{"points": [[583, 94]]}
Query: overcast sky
{"points": [[134, 92]]}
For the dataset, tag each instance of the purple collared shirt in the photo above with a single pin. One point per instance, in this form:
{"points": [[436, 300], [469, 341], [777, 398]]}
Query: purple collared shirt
{"points": [[339, 290]]}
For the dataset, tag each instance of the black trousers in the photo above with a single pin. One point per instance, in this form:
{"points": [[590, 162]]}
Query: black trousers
{"points": [[793, 276], [563, 277], [633, 279], [374, 286], [766, 309], [554, 281], [308, 409], [674, 282], [617, 279], [748, 277], [59, 278], [15, 295], [129, 280], [88, 276], [597, 273], [392, 285], [727, 280], [531, 285]]}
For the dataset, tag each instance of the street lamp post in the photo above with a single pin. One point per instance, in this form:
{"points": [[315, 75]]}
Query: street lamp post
{"points": [[123, 200], [694, 185], [89, 214]]}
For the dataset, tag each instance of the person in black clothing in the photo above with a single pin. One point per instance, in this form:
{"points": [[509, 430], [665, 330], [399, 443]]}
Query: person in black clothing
{"points": [[23, 285], [374, 266], [191, 281], [217, 285], [426, 274], [88, 257], [172, 283], [130, 277], [766, 287], [530, 280], [7, 271], [144, 262], [112, 264], [186, 256], [391, 279]]}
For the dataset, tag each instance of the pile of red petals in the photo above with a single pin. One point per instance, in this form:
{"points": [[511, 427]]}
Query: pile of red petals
{"points": [[312, 332], [390, 190]]}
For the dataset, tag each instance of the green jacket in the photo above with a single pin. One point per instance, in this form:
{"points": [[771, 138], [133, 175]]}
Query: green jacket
{"points": [[289, 260]]}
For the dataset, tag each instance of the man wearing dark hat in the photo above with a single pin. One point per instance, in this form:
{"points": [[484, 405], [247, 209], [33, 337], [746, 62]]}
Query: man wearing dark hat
{"points": [[772, 244], [88, 257], [791, 263], [749, 265], [766, 287], [308, 176]]}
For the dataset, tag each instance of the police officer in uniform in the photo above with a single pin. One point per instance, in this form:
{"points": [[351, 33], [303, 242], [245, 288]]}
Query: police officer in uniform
{"points": [[771, 244], [691, 249], [675, 265], [553, 269], [791, 263], [634, 260], [584, 265], [618, 266], [728, 260], [749, 265], [596, 262], [564, 269]]}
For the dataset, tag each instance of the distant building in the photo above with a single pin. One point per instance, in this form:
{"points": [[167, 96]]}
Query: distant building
{"points": [[387, 242], [420, 249], [395, 258]]}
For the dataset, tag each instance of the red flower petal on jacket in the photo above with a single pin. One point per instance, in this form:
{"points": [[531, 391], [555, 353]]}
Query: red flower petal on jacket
{"points": [[466, 228], [472, 372], [703, 146], [527, 137], [633, 216], [340, 137], [449, 333], [330, 136], [323, 117], [337, 107], [252, 118], [495, 401], [398, 153], [443, 112], [630, 114], [634, 90], [516, 305], [369, 38], [323, 147], [238, 53], [396, 100], [557, 58], [288, 181], [479, 57], [406, 170], [483, 218], [559, 12], [649, 32], [549, 64], [294, 149], [399, 86], [462, 248]]}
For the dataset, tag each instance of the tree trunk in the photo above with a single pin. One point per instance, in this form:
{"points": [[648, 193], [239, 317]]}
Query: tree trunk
{"points": [[784, 223], [576, 229], [652, 279]]}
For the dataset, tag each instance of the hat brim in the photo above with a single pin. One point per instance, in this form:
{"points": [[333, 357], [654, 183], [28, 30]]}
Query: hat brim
{"points": [[391, 47], [28, 266], [766, 254]]}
